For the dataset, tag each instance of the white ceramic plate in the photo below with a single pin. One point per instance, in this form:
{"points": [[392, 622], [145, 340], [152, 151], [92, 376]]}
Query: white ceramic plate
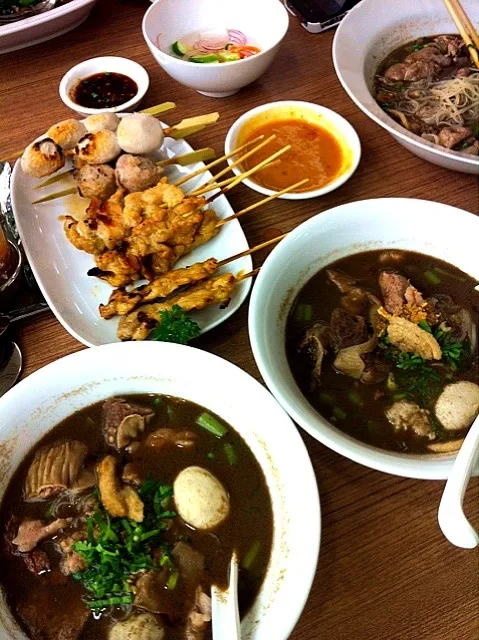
{"points": [[61, 270], [46, 397], [428, 227], [45, 26]]}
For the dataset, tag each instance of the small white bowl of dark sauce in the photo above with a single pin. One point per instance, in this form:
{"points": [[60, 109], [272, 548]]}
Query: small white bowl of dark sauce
{"points": [[105, 84]]}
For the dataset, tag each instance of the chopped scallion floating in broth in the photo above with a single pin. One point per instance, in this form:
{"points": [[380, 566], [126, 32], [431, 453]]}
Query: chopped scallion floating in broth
{"points": [[98, 546], [389, 354]]}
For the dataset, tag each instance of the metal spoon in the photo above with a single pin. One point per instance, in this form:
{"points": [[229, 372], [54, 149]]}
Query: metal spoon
{"points": [[224, 607], [11, 370], [452, 520]]}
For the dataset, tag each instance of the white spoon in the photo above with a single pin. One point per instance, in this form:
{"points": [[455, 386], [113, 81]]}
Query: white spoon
{"points": [[452, 520], [224, 607]]}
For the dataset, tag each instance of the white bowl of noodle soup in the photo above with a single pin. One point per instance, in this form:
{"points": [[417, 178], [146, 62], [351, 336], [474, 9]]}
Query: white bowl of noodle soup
{"points": [[45, 398], [368, 34]]}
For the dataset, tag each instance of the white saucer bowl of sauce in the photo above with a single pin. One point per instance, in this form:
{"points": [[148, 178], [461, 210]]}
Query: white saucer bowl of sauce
{"points": [[325, 148], [114, 84]]}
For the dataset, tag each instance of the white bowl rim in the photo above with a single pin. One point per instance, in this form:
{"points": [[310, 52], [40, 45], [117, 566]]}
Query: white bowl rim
{"points": [[223, 64], [16, 394], [392, 127], [394, 463], [141, 78], [351, 136]]}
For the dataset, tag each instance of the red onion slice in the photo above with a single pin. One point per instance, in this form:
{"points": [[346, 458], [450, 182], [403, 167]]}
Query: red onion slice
{"points": [[237, 37], [201, 45]]}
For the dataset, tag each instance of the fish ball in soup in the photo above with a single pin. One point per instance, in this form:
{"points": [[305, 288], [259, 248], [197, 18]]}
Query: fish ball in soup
{"points": [[458, 405], [142, 627], [200, 498]]}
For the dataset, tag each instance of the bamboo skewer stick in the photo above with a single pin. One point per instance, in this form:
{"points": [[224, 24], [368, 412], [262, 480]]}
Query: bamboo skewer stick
{"points": [[207, 167], [200, 155], [211, 187], [465, 28], [241, 159], [250, 274], [264, 201], [263, 245], [159, 108], [250, 172], [58, 194]]}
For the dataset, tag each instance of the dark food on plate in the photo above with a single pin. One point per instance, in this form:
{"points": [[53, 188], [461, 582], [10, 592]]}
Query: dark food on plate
{"points": [[7, 258], [431, 87], [119, 521], [104, 90], [19, 7], [384, 345], [315, 154]]}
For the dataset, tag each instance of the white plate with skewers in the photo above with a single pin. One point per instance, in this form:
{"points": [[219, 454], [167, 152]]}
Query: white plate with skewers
{"points": [[61, 269]]}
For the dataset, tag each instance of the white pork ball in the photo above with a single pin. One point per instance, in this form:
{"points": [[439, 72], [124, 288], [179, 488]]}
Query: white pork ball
{"points": [[458, 405], [67, 133], [42, 158], [143, 626], [99, 121], [200, 498], [140, 133], [99, 147]]}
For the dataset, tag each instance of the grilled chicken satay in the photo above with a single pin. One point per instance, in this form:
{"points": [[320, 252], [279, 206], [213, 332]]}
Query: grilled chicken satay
{"points": [[121, 267], [122, 302], [108, 223], [138, 324]]}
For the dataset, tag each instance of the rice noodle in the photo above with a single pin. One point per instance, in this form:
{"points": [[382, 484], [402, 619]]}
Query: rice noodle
{"points": [[441, 103]]}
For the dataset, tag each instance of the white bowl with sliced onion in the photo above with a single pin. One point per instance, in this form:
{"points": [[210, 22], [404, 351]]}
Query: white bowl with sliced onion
{"points": [[200, 31]]}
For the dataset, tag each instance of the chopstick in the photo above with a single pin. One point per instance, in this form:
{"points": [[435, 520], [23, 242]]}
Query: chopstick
{"points": [[465, 28]]}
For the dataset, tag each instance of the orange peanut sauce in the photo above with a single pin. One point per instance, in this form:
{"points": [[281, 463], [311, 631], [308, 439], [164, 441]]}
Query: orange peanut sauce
{"points": [[315, 154]]}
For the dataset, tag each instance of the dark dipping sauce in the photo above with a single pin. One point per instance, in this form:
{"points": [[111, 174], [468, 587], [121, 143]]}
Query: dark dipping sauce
{"points": [[51, 605], [357, 406], [104, 90]]}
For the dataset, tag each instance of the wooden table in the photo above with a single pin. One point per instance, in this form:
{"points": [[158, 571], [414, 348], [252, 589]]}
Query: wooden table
{"points": [[385, 571]]}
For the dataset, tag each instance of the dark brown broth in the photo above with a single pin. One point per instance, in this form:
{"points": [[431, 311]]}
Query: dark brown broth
{"points": [[368, 422], [250, 517]]}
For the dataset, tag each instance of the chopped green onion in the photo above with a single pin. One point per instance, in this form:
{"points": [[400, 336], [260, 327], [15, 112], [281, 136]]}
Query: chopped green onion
{"points": [[303, 313], [448, 274], [172, 580], [424, 325], [355, 397], [391, 382], [50, 511], [251, 555], [230, 453], [211, 424], [210, 455], [156, 402], [171, 412], [399, 396], [327, 398], [339, 413], [107, 602], [432, 277]]}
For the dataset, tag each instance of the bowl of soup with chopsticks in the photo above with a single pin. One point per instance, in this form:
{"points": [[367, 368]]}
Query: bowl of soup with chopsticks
{"points": [[363, 323], [305, 150], [127, 481]]}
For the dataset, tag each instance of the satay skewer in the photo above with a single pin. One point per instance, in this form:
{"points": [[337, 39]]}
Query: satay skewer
{"points": [[200, 155], [264, 201], [122, 302], [201, 191], [207, 167]]}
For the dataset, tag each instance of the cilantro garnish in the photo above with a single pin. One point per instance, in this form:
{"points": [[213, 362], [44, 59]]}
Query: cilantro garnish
{"points": [[175, 326]]}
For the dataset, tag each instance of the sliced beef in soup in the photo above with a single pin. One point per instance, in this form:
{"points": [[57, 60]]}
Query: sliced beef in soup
{"points": [[384, 344], [117, 524], [431, 87]]}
